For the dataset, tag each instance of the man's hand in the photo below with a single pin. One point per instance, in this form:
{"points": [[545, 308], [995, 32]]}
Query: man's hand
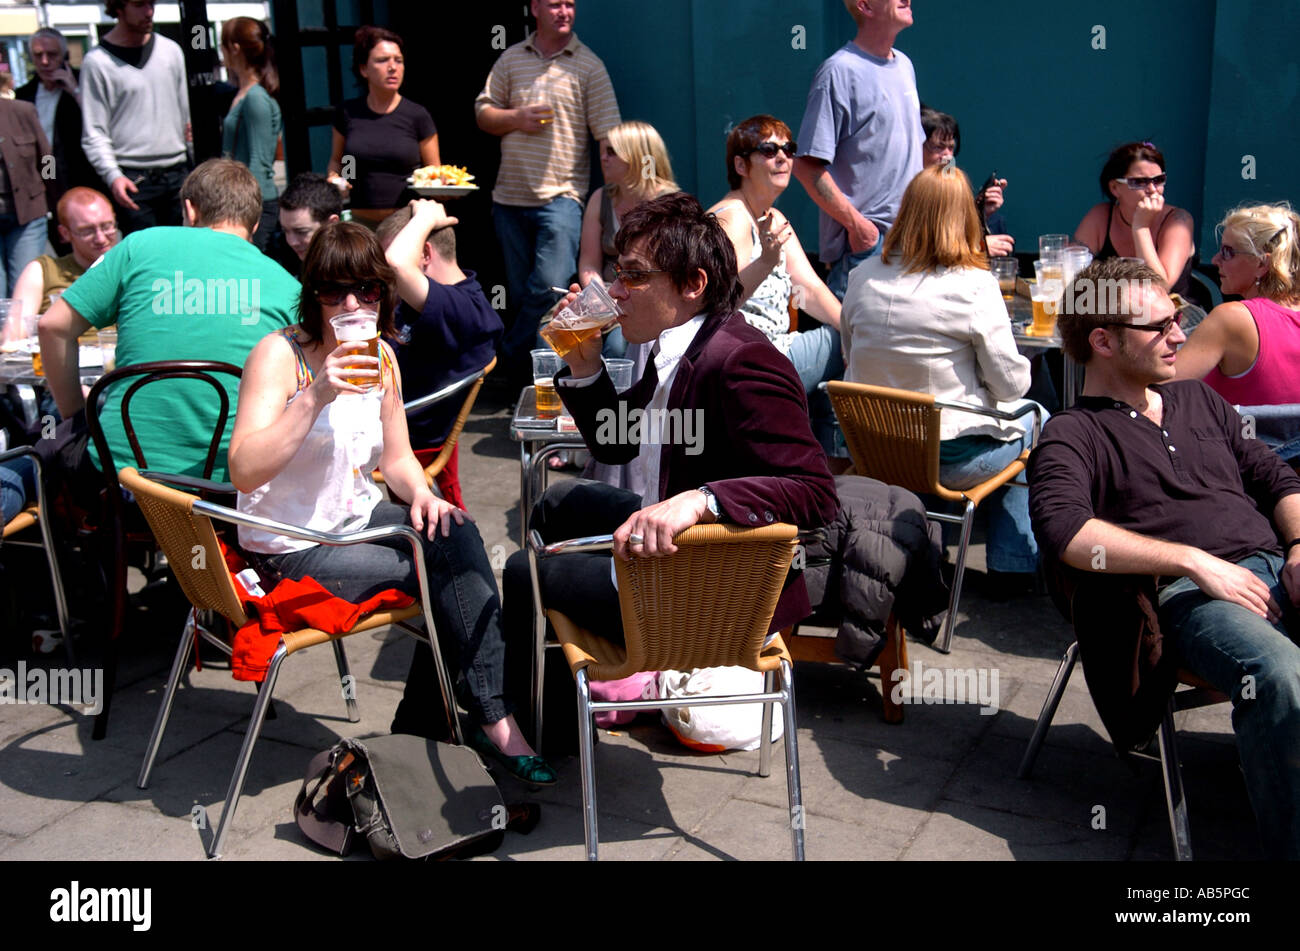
{"points": [[534, 118], [584, 359], [863, 235], [993, 197], [432, 214], [655, 526], [1000, 245], [123, 188], [65, 80], [1228, 582]]}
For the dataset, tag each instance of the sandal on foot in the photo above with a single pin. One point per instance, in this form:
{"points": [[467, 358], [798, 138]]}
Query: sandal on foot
{"points": [[533, 770]]}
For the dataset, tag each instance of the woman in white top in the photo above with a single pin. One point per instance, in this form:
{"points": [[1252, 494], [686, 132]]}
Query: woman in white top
{"points": [[305, 443], [773, 266], [926, 315]]}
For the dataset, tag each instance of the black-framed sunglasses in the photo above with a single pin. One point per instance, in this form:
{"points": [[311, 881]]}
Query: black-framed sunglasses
{"points": [[769, 149], [367, 292], [1137, 184], [635, 276], [1161, 328]]}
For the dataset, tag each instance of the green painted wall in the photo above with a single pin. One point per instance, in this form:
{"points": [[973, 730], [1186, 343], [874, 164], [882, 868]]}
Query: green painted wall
{"points": [[1038, 96]]}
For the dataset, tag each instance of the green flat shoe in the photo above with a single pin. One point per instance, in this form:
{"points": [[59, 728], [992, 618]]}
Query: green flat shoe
{"points": [[533, 770]]}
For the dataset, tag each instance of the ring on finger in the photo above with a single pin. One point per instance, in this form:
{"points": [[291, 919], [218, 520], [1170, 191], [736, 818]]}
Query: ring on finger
{"points": [[635, 539]]}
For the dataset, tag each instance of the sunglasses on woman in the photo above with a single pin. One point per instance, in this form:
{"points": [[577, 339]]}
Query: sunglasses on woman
{"points": [[769, 149], [1137, 184], [367, 292]]}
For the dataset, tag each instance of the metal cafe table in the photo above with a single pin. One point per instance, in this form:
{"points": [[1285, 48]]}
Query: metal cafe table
{"points": [[539, 439]]}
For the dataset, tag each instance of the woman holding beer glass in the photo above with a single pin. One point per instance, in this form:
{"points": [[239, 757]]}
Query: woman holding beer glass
{"points": [[315, 418], [926, 315], [1134, 220]]}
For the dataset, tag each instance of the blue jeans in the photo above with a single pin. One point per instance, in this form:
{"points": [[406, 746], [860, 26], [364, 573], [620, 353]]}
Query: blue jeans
{"points": [[817, 357], [1011, 543], [20, 245], [17, 486], [466, 606], [838, 279], [1257, 664], [540, 246]]}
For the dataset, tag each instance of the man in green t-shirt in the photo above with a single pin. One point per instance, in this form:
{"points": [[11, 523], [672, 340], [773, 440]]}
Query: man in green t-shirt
{"points": [[202, 292]]}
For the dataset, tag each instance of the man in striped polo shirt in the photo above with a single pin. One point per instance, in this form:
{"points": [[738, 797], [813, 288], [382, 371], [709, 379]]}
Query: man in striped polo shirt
{"points": [[546, 97]]}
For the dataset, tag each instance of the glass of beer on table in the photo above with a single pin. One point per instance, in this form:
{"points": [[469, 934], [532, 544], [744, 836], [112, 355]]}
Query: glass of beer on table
{"points": [[1046, 294], [586, 316], [1005, 269], [359, 326], [546, 363]]}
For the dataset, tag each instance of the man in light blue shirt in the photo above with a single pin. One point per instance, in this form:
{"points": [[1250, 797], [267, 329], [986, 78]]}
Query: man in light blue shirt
{"points": [[861, 137]]}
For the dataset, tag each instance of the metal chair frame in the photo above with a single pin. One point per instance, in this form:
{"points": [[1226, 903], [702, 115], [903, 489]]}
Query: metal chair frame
{"points": [[1170, 767], [587, 708], [841, 391], [152, 372], [289, 643], [38, 515]]}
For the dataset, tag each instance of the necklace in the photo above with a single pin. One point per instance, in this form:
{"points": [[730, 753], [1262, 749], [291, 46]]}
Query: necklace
{"points": [[1127, 223]]}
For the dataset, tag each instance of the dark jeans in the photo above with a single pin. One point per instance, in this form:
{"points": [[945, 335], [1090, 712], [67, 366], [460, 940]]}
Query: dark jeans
{"points": [[580, 585], [158, 193], [465, 606], [268, 225]]}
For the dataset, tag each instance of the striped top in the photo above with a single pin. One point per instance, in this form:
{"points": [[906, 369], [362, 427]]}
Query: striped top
{"points": [[537, 167]]}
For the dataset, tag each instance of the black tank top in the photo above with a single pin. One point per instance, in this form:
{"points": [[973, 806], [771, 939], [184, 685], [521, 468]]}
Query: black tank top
{"points": [[1179, 286]]}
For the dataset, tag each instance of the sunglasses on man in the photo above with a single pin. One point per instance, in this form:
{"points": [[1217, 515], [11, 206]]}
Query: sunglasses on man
{"points": [[1161, 328], [367, 292]]}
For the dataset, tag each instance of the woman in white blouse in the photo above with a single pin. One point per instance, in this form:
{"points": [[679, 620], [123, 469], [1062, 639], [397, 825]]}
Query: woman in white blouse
{"points": [[926, 315]]}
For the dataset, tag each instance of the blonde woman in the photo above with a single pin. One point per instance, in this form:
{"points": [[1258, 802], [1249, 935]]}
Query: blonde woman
{"points": [[1248, 350], [635, 163]]}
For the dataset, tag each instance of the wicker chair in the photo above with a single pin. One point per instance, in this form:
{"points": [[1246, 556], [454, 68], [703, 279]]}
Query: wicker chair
{"points": [[470, 386], [893, 436], [36, 515], [708, 605], [183, 525]]}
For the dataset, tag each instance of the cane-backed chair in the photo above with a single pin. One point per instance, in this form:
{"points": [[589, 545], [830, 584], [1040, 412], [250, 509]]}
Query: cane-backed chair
{"points": [[17, 531], [182, 523], [710, 604], [893, 436]]}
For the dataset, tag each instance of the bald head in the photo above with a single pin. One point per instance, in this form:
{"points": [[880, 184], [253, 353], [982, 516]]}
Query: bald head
{"points": [[87, 222], [81, 197]]}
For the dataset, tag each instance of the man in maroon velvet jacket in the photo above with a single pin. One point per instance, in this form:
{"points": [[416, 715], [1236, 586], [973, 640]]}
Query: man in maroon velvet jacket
{"points": [[719, 422]]}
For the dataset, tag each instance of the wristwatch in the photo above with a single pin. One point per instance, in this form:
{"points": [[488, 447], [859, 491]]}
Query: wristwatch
{"points": [[711, 501]]}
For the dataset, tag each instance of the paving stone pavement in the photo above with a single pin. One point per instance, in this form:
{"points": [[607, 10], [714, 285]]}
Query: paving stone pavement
{"points": [[939, 786]]}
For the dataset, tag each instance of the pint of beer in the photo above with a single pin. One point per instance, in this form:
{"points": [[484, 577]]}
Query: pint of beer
{"points": [[586, 316], [359, 325]]}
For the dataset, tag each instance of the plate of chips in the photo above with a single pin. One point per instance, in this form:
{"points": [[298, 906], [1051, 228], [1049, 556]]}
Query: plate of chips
{"points": [[442, 181]]}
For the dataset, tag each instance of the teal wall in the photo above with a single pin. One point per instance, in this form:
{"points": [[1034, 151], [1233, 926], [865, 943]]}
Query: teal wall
{"points": [[1034, 97]]}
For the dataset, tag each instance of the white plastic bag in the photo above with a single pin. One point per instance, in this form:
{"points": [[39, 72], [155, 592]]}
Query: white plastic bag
{"points": [[712, 729]]}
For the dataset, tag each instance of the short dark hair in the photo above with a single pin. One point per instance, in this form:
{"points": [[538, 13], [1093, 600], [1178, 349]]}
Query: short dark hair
{"points": [[343, 252], [681, 238], [1099, 294], [1123, 156], [933, 120], [744, 138], [365, 40], [313, 191], [443, 239], [223, 191]]}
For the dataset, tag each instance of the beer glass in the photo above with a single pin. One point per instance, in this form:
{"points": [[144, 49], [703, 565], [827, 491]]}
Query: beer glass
{"points": [[546, 363], [1006, 270], [1045, 295], [359, 325], [586, 316], [1052, 246]]}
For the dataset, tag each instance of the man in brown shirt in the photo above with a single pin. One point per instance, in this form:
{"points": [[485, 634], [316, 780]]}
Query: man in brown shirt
{"points": [[23, 148], [1148, 476]]}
